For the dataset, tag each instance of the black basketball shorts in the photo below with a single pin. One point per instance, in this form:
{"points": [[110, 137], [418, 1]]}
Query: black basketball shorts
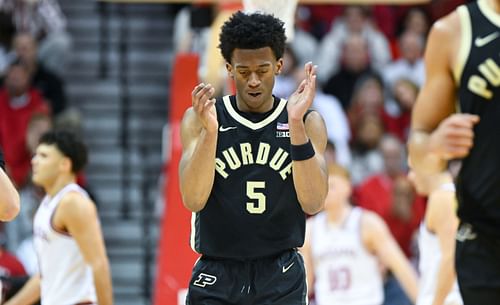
{"points": [[477, 261], [277, 280]]}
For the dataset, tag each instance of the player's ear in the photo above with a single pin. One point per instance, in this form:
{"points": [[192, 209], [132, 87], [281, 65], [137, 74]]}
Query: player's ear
{"points": [[279, 66], [229, 69]]}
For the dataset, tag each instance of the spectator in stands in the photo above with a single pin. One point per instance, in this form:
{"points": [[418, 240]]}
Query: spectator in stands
{"points": [[355, 63], [356, 20], [411, 64], [416, 20], [368, 96], [42, 78], [397, 120], [390, 195], [6, 33], [18, 104], [46, 22], [366, 157]]}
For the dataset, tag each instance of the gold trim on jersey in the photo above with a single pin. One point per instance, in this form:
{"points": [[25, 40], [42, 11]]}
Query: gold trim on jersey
{"points": [[487, 11], [248, 123], [465, 43]]}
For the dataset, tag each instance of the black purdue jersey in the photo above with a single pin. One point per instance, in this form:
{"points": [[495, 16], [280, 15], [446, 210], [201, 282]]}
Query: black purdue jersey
{"points": [[253, 210], [478, 76]]}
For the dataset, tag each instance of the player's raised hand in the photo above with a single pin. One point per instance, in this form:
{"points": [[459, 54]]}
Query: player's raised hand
{"points": [[454, 136], [204, 106], [302, 98]]}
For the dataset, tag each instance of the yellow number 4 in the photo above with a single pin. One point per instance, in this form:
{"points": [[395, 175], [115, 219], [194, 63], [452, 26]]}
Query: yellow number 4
{"points": [[260, 206]]}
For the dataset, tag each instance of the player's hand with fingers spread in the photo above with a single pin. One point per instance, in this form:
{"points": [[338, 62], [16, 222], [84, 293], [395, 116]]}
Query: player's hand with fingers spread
{"points": [[204, 106], [302, 98], [454, 137]]}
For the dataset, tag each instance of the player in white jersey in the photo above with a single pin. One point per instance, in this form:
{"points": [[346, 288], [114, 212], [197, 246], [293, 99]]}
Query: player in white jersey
{"points": [[436, 241], [343, 248], [74, 267]]}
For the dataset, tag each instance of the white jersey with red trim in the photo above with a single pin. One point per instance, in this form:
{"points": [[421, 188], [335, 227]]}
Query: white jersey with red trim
{"points": [[430, 257], [65, 277], [345, 271]]}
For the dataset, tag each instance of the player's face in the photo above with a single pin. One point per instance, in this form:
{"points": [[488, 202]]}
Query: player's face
{"points": [[47, 164], [253, 71], [339, 190]]}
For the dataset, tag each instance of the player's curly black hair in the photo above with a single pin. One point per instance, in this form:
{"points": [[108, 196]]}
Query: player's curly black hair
{"points": [[69, 145], [252, 31]]}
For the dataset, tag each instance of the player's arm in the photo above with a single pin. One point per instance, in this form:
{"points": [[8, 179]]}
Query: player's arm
{"points": [[442, 221], [199, 142], [310, 173], [430, 146], [78, 216], [9, 197], [306, 252], [379, 240], [29, 294]]}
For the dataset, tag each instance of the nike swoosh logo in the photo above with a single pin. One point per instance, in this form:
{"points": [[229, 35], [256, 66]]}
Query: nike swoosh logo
{"points": [[285, 269], [482, 41], [222, 128]]}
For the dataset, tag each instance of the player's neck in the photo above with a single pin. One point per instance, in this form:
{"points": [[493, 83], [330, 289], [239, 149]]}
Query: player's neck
{"points": [[59, 183], [337, 213]]}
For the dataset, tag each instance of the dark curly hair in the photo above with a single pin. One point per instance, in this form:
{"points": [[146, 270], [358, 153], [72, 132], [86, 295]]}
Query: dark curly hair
{"points": [[69, 145], [252, 31]]}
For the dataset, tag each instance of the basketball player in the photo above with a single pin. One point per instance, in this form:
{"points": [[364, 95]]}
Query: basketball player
{"points": [[463, 64], [9, 197], [343, 248], [74, 268], [252, 166], [438, 285]]}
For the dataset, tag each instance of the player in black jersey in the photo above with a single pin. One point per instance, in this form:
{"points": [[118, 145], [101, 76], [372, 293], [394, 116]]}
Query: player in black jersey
{"points": [[252, 167], [463, 64], [9, 197]]}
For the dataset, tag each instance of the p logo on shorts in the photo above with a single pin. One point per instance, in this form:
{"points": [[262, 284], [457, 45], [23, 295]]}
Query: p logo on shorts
{"points": [[204, 280]]}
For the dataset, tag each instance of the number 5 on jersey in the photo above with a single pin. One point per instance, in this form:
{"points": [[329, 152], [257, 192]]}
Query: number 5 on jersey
{"points": [[258, 206]]}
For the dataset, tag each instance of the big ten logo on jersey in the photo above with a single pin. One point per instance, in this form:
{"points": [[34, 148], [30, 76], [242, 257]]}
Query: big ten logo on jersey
{"points": [[340, 279], [282, 130], [490, 75], [235, 157]]}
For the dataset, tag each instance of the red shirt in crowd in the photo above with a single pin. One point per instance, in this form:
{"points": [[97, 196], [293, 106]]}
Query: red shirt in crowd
{"points": [[376, 194], [13, 128]]}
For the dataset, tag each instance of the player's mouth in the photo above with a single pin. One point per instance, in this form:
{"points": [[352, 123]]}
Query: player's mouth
{"points": [[254, 94]]}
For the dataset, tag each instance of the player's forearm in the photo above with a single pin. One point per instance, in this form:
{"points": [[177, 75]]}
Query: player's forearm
{"points": [[309, 176], [405, 274], [422, 158], [29, 294], [102, 282], [446, 277], [9, 198], [311, 183], [197, 173]]}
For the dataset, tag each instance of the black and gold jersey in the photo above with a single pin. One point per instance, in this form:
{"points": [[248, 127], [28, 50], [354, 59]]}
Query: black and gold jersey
{"points": [[253, 210], [478, 81]]}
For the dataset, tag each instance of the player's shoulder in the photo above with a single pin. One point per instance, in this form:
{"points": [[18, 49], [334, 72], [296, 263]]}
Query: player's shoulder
{"points": [[74, 202], [371, 222], [447, 26]]}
